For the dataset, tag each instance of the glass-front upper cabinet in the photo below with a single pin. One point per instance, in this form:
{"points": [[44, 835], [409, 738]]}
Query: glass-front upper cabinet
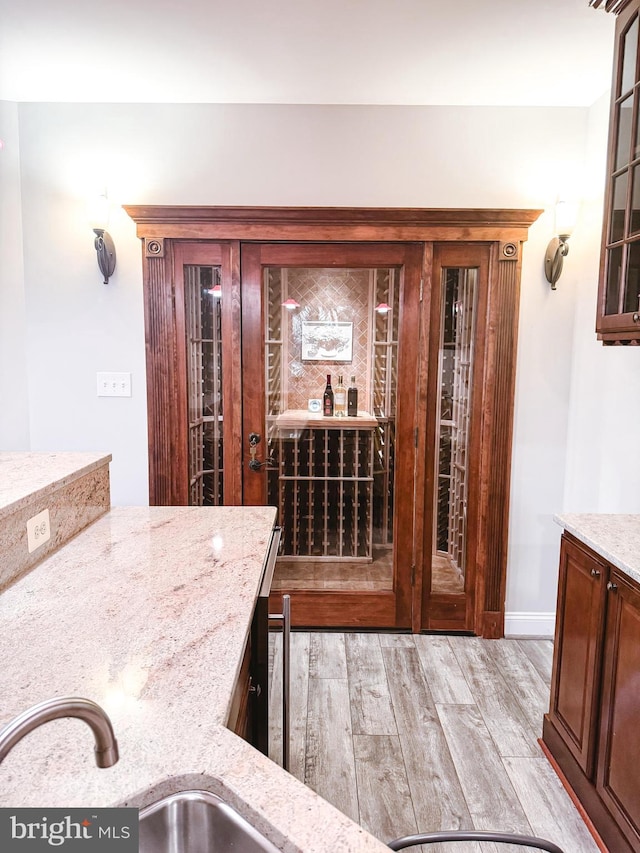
{"points": [[619, 294]]}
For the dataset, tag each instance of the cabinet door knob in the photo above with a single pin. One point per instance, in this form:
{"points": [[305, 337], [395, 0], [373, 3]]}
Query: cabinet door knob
{"points": [[595, 573], [612, 586]]}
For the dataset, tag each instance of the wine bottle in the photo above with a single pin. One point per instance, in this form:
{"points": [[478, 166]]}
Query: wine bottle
{"points": [[340, 399], [327, 398], [352, 399]]}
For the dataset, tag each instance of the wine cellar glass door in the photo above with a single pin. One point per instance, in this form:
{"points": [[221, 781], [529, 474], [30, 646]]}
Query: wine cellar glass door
{"points": [[330, 371]]}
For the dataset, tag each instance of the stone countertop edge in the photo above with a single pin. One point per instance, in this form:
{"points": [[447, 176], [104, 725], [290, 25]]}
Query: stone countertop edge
{"points": [[25, 477], [616, 537], [147, 612]]}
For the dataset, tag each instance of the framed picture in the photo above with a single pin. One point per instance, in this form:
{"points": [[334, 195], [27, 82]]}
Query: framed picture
{"points": [[324, 340]]}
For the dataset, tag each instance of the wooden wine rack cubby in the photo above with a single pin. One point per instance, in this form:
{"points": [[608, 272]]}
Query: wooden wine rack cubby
{"points": [[325, 485]]}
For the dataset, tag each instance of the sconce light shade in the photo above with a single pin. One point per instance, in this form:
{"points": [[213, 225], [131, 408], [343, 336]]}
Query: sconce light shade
{"points": [[557, 251], [566, 213], [98, 215], [290, 304], [106, 252], [382, 308]]}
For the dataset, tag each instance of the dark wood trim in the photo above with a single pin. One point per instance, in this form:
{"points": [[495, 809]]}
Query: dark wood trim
{"points": [[345, 609], [330, 224], [167, 443]]}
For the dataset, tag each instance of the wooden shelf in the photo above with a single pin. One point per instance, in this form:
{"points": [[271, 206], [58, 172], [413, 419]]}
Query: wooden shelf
{"points": [[302, 419]]}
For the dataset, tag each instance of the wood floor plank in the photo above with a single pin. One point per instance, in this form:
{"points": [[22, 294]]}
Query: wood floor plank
{"points": [[547, 805], [330, 765], [442, 671], [386, 808], [487, 787], [501, 711], [327, 658], [523, 679], [540, 653], [371, 711], [438, 798], [390, 640]]}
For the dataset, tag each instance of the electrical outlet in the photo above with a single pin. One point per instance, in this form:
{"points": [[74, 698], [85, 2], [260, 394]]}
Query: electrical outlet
{"points": [[38, 530], [114, 384]]}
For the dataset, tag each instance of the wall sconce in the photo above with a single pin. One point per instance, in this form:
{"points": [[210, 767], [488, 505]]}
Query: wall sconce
{"points": [[558, 248], [290, 304], [382, 308], [104, 246]]}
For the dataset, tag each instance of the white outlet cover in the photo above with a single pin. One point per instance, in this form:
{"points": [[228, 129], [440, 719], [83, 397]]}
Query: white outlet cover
{"points": [[38, 530]]}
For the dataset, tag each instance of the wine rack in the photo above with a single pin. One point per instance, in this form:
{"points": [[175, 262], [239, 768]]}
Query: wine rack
{"points": [[456, 364], [325, 486], [204, 385]]}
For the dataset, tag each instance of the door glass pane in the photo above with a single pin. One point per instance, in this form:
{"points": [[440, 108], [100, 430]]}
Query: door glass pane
{"points": [[332, 477], [618, 208], [204, 384], [623, 147], [632, 289], [457, 322], [630, 52]]}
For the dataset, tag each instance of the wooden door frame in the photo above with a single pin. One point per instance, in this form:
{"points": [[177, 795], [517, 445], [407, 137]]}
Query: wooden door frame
{"points": [[162, 228]]}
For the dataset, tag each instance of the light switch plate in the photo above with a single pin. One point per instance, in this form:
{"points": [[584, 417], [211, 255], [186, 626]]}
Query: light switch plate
{"points": [[38, 530], [114, 384]]}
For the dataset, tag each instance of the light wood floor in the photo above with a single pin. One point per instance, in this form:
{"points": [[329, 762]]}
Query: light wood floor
{"points": [[413, 734]]}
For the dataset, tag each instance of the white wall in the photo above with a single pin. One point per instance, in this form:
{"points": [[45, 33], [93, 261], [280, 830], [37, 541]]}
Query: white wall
{"points": [[288, 155], [603, 450], [14, 410]]}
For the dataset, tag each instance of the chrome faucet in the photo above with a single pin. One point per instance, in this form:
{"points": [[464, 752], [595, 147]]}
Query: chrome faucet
{"points": [[106, 748]]}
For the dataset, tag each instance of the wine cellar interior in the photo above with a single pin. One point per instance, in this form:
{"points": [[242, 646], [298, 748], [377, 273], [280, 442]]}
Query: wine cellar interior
{"points": [[332, 478]]}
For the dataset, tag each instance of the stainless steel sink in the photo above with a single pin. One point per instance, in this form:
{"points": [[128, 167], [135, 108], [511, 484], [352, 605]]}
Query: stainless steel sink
{"points": [[198, 822]]}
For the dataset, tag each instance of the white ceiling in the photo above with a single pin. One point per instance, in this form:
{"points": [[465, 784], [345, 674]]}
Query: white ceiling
{"points": [[467, 52]]}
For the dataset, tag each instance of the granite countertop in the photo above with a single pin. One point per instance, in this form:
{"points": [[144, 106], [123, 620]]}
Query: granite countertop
{"points": [[612, 536], [24, 475], [147, 612]]}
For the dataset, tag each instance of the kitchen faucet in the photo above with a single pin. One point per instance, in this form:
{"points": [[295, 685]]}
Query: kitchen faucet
{"points": [[106, 748]]}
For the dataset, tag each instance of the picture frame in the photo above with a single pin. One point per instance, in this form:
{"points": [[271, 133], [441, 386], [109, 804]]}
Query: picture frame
{"points": [[326, 340]]}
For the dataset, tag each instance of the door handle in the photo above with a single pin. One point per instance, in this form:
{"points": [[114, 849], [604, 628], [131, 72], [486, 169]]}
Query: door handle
{"points": [[256, 464]]}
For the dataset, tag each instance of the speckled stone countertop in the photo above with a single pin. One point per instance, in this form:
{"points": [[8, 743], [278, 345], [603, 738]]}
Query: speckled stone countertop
{"points": [[147, 612], [24, 475], [614, 537]]}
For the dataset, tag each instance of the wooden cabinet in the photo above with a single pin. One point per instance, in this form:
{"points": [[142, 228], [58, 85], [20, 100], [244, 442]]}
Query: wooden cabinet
{"points": [[592, 730], [249, 708], [618, 319], [578, 644], [619, 747]]}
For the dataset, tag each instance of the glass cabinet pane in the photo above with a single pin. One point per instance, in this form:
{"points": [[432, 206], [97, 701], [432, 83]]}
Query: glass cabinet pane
{"points": [[632, 283], [457, 322], [614, 272], [204, 384], [629, 59], [618, 208], [623, 147]]}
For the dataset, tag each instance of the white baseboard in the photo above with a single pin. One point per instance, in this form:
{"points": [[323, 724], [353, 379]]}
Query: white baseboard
{"points": [[530, 625]]}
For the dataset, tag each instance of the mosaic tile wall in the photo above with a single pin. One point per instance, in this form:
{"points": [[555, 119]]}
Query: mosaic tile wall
{"points": [[340, 295]]}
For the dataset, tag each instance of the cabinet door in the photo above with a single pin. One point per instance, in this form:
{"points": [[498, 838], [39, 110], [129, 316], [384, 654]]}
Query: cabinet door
{"points": [[619, 294], [619, 749], [577, 659]]}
